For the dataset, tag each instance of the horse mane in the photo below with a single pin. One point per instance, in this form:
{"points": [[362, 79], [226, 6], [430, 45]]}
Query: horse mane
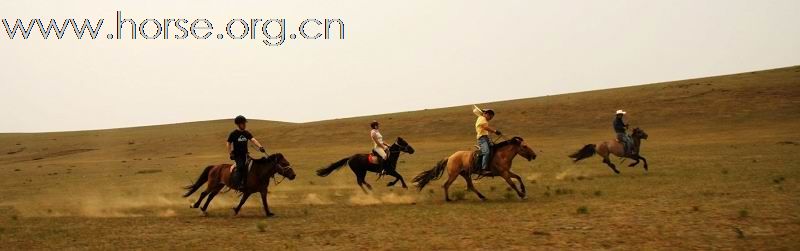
{"points": [[513, 141], [270, 159]]}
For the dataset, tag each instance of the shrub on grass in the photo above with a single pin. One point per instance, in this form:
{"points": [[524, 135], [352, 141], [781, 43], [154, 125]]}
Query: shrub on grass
{"points": [[743, 213], [459, 195], [261, 226]]}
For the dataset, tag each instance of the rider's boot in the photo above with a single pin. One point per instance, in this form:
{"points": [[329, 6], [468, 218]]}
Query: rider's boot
{"points": [[242, 182]]}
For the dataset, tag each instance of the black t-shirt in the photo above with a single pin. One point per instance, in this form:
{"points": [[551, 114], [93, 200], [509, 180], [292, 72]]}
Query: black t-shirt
{"points": [[239, 139]]}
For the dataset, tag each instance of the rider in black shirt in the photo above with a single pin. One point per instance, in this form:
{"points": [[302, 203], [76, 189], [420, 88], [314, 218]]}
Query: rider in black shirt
{"points": [[237, 148]]}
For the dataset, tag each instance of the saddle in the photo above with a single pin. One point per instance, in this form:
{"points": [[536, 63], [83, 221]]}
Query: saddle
{"points": [[248, 163], [374, 158], [476, 159], [627, 145]]}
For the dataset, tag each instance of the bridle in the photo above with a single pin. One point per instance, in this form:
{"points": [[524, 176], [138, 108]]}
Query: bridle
{"points": [[280, 171], [401, 150]]}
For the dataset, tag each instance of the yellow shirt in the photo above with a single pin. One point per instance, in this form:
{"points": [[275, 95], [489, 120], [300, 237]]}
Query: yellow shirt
{"points": [[479, 126]]}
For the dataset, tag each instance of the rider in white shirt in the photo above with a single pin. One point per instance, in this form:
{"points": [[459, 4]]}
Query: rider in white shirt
{"points": [[378, 146]]}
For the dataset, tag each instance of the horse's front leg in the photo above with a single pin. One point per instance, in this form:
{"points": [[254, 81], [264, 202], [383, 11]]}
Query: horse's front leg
{"points": [[397, 177], [507, 176], [264, 203], [521, 183], [636, 158], [645, 162]]}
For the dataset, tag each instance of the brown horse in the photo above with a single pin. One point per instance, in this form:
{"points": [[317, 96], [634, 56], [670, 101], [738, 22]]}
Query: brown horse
{"points": [[606, 148], [462, 162], [360, 165], [261, 170]]}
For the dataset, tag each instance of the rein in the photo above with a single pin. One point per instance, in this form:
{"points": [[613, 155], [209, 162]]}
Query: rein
{"points": [[275, 180]]}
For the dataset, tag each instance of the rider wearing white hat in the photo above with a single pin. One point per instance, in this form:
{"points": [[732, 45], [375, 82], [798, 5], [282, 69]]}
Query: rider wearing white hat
{"points": [[620, 129]]}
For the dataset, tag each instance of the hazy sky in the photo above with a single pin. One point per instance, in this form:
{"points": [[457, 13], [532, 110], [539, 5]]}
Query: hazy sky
{"points": [[396, 56]]}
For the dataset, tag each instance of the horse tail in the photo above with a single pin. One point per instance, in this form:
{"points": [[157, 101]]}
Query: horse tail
{"points": [[426, 177], [197, 184], [585, 152], [322, 172]]}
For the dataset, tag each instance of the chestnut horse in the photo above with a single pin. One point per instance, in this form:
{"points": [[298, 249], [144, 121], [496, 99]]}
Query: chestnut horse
{"points": [[606, 148], [261, 170], [360, 165], [462, 162]]}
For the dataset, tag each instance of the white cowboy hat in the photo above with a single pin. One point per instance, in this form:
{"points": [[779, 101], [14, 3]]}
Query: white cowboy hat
{"points": [[621, 112]]}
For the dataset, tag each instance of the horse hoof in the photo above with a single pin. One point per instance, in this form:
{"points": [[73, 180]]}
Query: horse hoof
{"points": [[405, 187], [389, 184], [448, 200], [204, 214], [270, 215]]}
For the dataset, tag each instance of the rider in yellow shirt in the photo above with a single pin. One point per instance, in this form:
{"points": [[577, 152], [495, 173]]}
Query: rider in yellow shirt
{"points": [[482, 129]]}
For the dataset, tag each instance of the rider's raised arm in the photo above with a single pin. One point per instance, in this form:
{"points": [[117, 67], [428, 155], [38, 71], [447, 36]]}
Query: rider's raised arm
{"points": [[477, 111]]}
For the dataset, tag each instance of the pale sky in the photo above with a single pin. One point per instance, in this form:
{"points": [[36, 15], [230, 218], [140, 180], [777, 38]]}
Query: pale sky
{"points": [[396, 56]]}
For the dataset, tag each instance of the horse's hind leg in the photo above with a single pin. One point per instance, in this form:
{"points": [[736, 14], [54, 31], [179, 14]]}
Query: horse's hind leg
{"points": [[199, 200], [361, 179], [241, 203], [471, 187], [211, 195], [450, 178], [611, 165]]}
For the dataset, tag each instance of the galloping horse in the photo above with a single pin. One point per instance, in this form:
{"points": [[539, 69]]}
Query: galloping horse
{"points": [[613, 147], [462, 163], [360, 164], [261, 170]]}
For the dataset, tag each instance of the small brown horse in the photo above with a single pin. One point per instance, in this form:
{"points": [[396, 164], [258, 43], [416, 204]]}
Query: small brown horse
{"points": [[360, 165], [462, 162], [261, 170], [606, 148]]}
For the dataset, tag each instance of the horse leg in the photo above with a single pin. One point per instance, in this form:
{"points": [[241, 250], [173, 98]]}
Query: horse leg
{"points": [[521, 183], [636, 158], [391, 183], [202, 196], [211, 195], [241, 203], [264, 203], [506, 176], [450, 178], [645, 162], [360, 179], [611, 165], [397, 177], [471, 187]]}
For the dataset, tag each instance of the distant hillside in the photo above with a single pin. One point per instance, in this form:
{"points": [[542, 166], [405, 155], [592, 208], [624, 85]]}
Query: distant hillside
{"points": [[732, 103]]}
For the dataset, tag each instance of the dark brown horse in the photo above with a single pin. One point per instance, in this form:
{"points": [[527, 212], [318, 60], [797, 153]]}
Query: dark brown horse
{"points": [[261, 170], [360, 164], [462, 163], [606, 148]]}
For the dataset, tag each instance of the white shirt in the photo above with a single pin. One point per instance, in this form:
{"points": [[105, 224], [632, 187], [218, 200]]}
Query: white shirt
{"points": [[377, 137]]}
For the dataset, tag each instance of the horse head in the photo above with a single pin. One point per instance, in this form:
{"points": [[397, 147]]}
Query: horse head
{"points": [[278, 161], [639, 133], [403, 146], [524, 150]]}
